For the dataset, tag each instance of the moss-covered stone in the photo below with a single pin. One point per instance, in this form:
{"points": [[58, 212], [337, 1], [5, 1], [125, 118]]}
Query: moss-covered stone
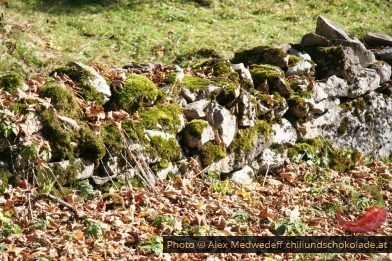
{"points": [[11, 82], [5, 176], [165, 115], [134, 130], [61, 98], [228, 94], [112, 138], [195, 127], [194, 83], [263, 55], [61, 139], [210, 152], [82, 78], [272, 75], [67, 144], [170, 78], [138, 91], [90, 146], [167, 149]]}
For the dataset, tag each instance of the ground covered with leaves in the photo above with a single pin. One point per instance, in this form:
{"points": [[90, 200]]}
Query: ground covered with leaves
{"points": [[128, 223]]}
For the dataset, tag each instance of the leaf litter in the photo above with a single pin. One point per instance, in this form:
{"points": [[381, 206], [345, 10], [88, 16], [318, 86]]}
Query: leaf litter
{"points": [[130, 227]]}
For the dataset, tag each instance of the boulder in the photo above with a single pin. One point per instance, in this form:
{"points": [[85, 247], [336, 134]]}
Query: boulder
{"points": [[271, 160], [96, 80], [243, 176], [312, 39], [329, 31], [195, 110], [384, 55], [244, 72], [365, 56], [283, 133], [383, 70], [221, 119], [378, 39], [273, 55]]}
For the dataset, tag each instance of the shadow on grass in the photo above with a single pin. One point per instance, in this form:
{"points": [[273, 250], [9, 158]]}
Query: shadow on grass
{"points": [[74, 6]]}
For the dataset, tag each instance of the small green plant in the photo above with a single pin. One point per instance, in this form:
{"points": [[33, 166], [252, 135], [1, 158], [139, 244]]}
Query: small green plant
{"points": [[42, 223], [290, 226], [240, 216], [9, 228], [3, 247], [94, 229], [222, 187], [159, 220], [7, 123], [152, 244]]}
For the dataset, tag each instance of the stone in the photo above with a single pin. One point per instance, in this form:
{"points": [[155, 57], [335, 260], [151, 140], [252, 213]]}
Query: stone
{"points": [[195, 110], [71, 123], [312, 39], [271, 160], [97, 81], [212, 91], [302, 68], [377, 39], [283, 133], [368, 81], [162, 134], [188, 95], [247, 110], [244, 72], [243, 176], [365, 56], [221, 119], [384, 55], [328, 30], [383, 70]]}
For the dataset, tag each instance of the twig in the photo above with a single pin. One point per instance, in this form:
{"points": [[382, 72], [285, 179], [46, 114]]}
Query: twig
{"points": [[59, 201], [30, 209], [266, 173]]}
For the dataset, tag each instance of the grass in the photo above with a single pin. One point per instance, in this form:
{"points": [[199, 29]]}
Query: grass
{"points": [[37, 35]]}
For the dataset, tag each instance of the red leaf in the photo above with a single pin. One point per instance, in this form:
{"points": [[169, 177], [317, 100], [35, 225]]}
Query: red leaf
{"points": [[373, 218]]}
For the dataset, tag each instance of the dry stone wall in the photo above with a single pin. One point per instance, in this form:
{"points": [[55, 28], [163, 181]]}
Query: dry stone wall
{"points": [[325, 100]]}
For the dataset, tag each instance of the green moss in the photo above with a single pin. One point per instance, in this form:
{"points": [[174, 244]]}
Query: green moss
{"points": [[61, 98], [170, 78], [195, 83], [168, 149], [262, 55], [210, 152], [346, 106], [60, 138], [11, 82], [5, 175], [112, 138], [166, 115], [273, 75], [293, 60], [82, 78], [163, 164], [138, 91], [67, 144], [227, 95], [134, 130], [296, 101], [19, 107], [91, 146], [196, 127]]}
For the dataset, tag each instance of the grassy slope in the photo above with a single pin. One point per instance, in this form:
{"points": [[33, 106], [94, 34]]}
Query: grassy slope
{"points": [[39, 34]]}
